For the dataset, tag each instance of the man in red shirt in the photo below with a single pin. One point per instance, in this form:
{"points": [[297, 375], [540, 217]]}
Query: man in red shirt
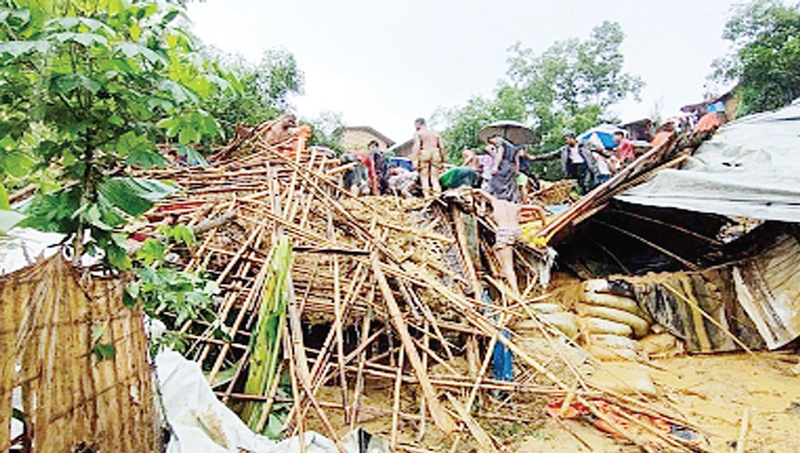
{"points": [[625, 152]]}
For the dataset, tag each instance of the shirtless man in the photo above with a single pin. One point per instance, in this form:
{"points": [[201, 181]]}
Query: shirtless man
{"points": [[506, 216], [428, 157]]}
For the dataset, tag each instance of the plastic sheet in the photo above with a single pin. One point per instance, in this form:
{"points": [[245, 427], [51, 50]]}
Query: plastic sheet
{"points": [[750, 168]]}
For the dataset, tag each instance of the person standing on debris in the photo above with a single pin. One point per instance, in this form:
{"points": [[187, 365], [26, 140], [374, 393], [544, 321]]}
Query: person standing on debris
{"points": [[486, 164], [603, 167], [504, 195], [506, 215], [503, 183], [578, 163], [625, 152], [354, 176], [377, 168], [428, 157]]}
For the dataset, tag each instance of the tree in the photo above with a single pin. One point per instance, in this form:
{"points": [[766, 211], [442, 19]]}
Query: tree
{"points": [[573, 83], [569, 87], [326, 129], [86, 89], [765, 55], [462, 124], [263, 89]]}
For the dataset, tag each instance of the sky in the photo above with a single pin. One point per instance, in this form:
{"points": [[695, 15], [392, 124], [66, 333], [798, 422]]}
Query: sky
{"points": [[384, 63]]}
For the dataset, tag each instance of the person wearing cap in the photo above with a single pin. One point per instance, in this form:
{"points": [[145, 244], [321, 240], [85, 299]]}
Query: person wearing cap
{"points": [[578, 163]]}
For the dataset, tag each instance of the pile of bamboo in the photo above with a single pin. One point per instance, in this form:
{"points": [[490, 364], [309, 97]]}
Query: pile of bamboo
{"points": [[403, 290]]}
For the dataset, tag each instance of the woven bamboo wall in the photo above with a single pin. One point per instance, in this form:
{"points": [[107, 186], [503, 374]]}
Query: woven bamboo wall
{"points": [[72, 401]]}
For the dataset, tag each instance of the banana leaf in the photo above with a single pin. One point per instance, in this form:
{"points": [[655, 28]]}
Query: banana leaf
{"points": [[265, 341]]}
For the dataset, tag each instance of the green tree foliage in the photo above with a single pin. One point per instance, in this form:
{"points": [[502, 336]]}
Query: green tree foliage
{"points": [[263, 89], [464, 123], [570, 86], [326, 130], [765, 59], [87, 88]]}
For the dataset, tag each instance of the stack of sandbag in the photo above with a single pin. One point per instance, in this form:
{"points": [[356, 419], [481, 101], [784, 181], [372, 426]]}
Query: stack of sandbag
{"points": [[611, 320], [541, 338], [551, 314]]}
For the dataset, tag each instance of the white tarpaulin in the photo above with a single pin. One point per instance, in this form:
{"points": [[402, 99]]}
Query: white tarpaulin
{"points": [[750, 168], [200, 423]]}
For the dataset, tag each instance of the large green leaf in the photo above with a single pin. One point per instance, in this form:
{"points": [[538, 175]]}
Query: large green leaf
{"points": [[132, 50], [134, 196], [22, 14], [265, 340], [69, 82], [16, 163], [86, 39], [139, 150], [179, 94], [68, 23], [17, 48]]}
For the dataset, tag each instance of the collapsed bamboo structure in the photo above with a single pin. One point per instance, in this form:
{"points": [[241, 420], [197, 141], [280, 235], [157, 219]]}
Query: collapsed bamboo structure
{"points": [[402, 290]]}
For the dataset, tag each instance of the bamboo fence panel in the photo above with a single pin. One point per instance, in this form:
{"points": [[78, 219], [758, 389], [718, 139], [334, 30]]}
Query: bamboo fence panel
{"points": [[72, 401]]}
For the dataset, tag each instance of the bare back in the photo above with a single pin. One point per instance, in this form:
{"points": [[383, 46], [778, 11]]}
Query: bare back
{"points": [[427, 139], [506, 213]]}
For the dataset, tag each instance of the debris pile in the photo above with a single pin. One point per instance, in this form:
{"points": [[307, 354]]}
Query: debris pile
{"points": [[382, 296]]}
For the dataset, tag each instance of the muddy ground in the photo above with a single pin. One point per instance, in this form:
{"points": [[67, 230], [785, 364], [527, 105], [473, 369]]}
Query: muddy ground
{"points": [[711, 391]]}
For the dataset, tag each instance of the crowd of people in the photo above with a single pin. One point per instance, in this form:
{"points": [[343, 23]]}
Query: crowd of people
{"points": [[494, 173]]}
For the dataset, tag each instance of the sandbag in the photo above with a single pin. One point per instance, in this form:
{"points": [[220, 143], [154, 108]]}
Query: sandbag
{"points": [[566, 322], [640, 326], [655, 344], [624, 377], [607, 354], [603, 326], [546, 307], [612, 301], [615, 342], [596, 286]]}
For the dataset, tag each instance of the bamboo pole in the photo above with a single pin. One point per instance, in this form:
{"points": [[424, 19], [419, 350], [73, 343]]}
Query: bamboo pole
{"points": [[365, 326], [440, 417], [398, 385], [339, 336]]}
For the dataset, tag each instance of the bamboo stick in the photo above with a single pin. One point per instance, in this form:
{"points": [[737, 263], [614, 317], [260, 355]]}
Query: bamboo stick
{"points": [[365, 326], [741, 441], [425, 347], [398, 383], [307, 390], [337, 325], [710, 319], [485, 444], [440, 418]]}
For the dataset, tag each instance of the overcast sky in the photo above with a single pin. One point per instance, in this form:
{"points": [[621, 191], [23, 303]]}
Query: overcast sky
{"points": [[383, 64]]}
